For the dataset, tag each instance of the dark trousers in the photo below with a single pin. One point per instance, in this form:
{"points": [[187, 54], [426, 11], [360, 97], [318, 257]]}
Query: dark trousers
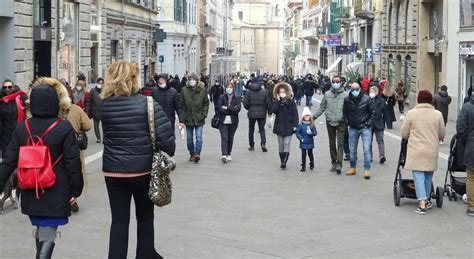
{"points": [[401, 106], [97, 129], [227, 137], [304, 153], [347, 151], [121, 191], [336, 149], [261, 130]]}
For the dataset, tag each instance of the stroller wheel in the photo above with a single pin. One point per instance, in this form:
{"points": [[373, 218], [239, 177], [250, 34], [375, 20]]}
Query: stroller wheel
{"points": [[439, 197], [396, 194], [449, 193]]}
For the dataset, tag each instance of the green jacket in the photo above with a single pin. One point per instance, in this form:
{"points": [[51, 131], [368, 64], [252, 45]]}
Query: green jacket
{"points": [[195, 104], [332, 106]]}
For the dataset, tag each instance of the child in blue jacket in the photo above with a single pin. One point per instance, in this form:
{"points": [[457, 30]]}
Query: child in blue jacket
{"points": [[305, 133]]}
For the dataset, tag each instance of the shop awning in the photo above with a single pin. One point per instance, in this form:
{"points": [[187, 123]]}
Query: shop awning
{"points": [[333, 65]]}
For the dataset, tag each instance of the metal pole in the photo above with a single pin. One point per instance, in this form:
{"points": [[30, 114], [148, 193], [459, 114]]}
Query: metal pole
{"points": [[436, 49]]}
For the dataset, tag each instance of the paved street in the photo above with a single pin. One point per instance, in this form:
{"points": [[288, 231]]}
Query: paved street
{"points": [[252, 209]]}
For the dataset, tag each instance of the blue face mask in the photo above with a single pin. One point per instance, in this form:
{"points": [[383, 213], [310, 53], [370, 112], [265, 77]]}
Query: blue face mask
{"points": [[229, 91], [355, 93], [336, 86]]}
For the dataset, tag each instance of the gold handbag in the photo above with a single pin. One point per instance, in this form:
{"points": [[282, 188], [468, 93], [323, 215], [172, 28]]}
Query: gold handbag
{"points": [[160, 182]]}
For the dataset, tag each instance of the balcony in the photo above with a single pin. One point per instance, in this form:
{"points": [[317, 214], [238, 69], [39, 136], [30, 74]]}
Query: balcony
{"points": [[364, 9], [343, 13], [310, 33], [208, 31]]}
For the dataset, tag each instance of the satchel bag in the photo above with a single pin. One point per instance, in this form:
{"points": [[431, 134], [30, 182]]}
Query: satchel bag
{"points": [[160, 183], [82, 140], [215, 121]]}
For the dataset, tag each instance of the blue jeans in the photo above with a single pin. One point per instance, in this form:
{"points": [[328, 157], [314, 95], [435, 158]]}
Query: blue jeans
{"points": [[423, 182], [309, 101], [194, 149], [354, 135]]}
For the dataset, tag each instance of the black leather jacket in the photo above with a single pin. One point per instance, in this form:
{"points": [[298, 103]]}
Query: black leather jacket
{"points": [[359, 111]]}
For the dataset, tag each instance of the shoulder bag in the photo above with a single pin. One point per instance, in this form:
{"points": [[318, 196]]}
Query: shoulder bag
{"points": [[160, 182]]}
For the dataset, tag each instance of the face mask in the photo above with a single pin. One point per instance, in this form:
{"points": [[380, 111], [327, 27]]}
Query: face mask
{"points": [[336, 86], [355, 93], [283, 95], [217, 83], [99, 86], [372, 95], [78, 88], [162, 85], [192, 82], [229, 91]]}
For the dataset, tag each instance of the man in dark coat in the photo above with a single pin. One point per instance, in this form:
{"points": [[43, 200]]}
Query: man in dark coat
{"points": [[441, 102], [169, 100], [359, 115], [309, 87], [11, 111], [93, 106], [465, 132], [216, 90], [258, 103], [378, 127]]}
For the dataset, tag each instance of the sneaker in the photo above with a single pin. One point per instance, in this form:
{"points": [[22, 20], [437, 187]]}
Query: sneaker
{"points": [[382, 160], [366, 174], [264, 148], [441, 142], [420, 211], [229, 158], [347, 157], [333, 168], [311, 165], [197, 158], [191, 158], [470, 212], [351, 171], [251, 148], [224, 159], [429, 205]]}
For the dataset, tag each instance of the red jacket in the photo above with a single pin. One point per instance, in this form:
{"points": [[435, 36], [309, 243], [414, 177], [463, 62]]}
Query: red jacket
{"points": [[365, 85]]}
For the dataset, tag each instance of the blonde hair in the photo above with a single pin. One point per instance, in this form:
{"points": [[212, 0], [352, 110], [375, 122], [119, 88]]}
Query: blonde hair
{"points": [[387, 89], [121, 80], [311, 121], [82, 84]]}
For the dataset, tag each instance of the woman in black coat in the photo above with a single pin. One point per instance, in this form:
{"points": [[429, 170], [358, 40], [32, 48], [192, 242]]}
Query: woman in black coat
{"points": [[49, 102], [12, 102], [388, 113], [228, 106], [127, 157], [286, 119]]}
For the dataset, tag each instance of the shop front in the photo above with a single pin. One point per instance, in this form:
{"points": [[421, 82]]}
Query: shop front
{"points": [[69, 42], [466, 51]]}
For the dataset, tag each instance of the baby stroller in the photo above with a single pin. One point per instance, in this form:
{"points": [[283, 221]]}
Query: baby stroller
{"points": [[405, 188], [456, 185]]}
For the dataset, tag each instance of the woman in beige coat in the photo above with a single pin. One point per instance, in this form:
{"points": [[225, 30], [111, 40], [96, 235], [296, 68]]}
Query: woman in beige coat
{"points": [[81, 123], [423, 128]]}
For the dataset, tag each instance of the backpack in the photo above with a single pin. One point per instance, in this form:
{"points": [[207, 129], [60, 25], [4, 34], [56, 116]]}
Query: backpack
{"points": [[34, 162]]}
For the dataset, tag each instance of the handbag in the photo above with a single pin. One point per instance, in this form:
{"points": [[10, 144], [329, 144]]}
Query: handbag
{"points": [[160, 183], [82, 140], [215, 121]]}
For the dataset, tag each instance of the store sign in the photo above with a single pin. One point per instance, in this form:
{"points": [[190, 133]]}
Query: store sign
{"points": [[466, 49], [378, 48], [343, 50], [333, 41], [369, 55]]}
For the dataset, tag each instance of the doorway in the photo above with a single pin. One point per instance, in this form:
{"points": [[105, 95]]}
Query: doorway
{"points": [[42, 59]]}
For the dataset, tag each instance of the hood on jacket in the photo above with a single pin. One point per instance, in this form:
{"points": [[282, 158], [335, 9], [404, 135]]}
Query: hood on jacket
{"points": [[286, 86], [255, 87], [443, 93], [44, 105], [199, 85]]}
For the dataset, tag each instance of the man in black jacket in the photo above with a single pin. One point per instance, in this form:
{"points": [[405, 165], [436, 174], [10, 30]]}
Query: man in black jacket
{"points": [[216, 90], [94, 102], [169, 100], [359, 114], [258, 103], [309, 86]]}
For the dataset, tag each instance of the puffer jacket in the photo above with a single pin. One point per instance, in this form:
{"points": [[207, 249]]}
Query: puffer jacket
{"points": [[232, 110], [9, 119], [465, 131], [379, 106], [170, 101], [127, 143], [94, 103], [309, 86], [306, 140], [332, 106], [257, 102], [441, 102], [54, 202], [195, 104], [359, 111]]}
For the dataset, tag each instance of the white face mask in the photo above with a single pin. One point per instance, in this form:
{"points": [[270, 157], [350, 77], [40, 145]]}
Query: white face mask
{"points": [[78, 88], [192, 82], [372, 95], [162, 85], [283, 95], [99, 86]]}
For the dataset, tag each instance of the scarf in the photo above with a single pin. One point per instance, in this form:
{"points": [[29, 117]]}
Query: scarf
{"points": [[78, 96], [17, 97]]}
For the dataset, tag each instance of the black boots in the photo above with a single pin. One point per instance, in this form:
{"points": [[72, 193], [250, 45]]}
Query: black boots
{"points": [[303, 168], [264, 148], [284, 159], [251, 148], [44, 250], [311, 165]]}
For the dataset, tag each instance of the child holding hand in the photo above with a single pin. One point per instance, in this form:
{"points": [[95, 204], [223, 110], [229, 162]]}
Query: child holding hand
{"points": [[305, 133]]}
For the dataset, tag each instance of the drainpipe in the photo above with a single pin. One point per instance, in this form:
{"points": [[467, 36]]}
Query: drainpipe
{"points": [[58, 43]]}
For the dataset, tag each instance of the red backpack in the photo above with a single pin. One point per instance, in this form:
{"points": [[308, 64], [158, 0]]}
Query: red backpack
{"points": [[34, 162]]}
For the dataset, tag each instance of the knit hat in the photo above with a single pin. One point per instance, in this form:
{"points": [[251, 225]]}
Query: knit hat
{"points": [[425, 96], [306, 111]]}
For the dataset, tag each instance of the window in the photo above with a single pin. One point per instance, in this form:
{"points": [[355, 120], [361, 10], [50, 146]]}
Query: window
{"points": [[241, 15], [467, 13]]}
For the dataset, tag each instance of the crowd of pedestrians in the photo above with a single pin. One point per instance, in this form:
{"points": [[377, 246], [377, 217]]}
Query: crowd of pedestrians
{"points": [[61, 115]]}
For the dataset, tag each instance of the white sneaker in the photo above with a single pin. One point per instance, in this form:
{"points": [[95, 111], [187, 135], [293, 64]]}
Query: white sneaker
{"points": [[224, 159], [229, 158], [441, 142]]}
